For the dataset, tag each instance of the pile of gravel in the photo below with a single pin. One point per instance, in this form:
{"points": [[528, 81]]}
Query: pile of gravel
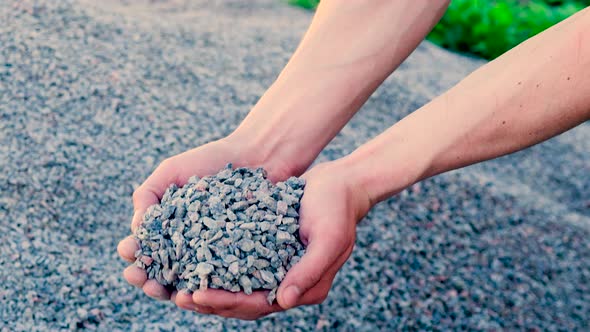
{"points": [[233, 230], [94, 94]]}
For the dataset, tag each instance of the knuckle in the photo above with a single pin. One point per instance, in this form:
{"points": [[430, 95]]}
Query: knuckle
{"points": [[310, 279], [137, 194], [228, 305], [166, 164], [231, 304]]}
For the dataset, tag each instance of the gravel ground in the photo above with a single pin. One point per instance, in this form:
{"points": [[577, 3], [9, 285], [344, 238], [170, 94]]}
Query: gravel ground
{"points": [[94, 94]]}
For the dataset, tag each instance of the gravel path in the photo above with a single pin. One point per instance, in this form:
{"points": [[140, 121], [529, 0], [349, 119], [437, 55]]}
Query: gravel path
{"points": [[93, 94]]}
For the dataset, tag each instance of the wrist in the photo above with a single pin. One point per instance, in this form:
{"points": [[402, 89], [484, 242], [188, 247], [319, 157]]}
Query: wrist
{"points": [[297, 117], [263, 143], [257, 150], [390, 163], [338, 178]]}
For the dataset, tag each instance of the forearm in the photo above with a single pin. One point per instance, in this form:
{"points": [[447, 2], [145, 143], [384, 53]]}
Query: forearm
{"points": [[532, 93], [349, 49]]}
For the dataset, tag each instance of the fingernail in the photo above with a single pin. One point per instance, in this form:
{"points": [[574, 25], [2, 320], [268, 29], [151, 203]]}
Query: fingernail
{"points": [[291, 296]]}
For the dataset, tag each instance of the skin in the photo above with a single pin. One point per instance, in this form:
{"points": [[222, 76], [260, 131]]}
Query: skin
{"points": [[535, 91]]}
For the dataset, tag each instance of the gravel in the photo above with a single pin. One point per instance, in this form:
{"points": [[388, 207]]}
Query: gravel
{"points": [[93, 95], [233, 230]]}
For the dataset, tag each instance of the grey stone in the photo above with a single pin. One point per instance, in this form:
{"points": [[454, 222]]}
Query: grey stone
{"points": [[282, 208], [239, 206], [283, 237], [203, 269], [230, 258], [246, 284], [264, 226], [222, 254], [234, 268], [260, 264], [246, 245], [272, 295], [268, 277], [216, 206], [94, 94], [248, 226]]}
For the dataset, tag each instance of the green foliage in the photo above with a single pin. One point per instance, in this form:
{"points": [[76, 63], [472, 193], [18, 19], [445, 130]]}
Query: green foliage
{"points": [[308, 4], [488, 28]]}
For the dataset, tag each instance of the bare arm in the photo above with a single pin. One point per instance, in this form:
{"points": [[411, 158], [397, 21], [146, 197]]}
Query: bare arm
{"points": [[349, 49], [536, 91]]}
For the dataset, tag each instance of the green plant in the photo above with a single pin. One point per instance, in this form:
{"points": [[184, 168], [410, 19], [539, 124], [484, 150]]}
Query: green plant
{"points": [[490, 28], [308, 4]]}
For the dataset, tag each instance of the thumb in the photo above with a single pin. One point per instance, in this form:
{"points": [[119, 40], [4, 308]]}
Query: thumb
{"points": [[320, 255], [151, 191]]}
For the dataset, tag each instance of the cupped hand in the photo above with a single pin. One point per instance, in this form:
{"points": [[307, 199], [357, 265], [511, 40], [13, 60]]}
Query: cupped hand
{"points": [[204, 160], [330, 208]]}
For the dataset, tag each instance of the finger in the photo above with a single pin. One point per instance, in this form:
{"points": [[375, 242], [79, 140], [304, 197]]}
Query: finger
{"points": [[173, 296], [153, 289], [251, 312], [319, 256], [135, 276], [152, 190], [184, 300], [204, 310], [243, 316], [318, 293], [221, 300], [127, 248], [215, 298]]}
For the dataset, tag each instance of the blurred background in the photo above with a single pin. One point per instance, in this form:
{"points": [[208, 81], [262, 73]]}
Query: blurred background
{"points": [[95, 94], [489, 28]]}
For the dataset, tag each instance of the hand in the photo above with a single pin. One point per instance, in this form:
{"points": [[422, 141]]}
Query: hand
{"points": [[330, 208], [200, 161]]}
